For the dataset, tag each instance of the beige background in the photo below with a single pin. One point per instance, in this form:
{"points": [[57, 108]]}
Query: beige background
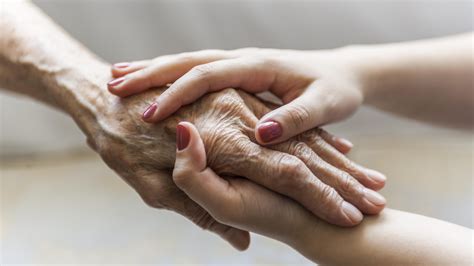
{"points": [[60, 204]]}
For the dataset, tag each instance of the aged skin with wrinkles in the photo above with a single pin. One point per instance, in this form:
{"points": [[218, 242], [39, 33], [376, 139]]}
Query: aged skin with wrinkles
{"points": [[57, 70]]}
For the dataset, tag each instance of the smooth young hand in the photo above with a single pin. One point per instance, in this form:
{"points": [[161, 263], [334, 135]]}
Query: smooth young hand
{"points": [[316, 87]]}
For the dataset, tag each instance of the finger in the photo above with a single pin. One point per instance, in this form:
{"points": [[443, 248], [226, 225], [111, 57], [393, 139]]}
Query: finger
{"points": [[198, 181], [318, 105], [161, 71], [288, 175], [366, 200], [369, 178], [259, 110], [344, 146], [191, 173], [124, 68], [245, 73]]}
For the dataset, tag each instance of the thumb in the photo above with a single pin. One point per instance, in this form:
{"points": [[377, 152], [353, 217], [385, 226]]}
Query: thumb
{"points": [[191, 173], [205, 187], [313, 108]]}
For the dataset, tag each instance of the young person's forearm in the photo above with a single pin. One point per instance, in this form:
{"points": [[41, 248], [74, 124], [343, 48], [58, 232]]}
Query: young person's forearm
{"points": [[429, 80], [391, 238], [38, 59]]}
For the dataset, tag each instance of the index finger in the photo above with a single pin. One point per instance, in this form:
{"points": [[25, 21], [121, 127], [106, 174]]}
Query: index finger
{"points": [[244, 73]]}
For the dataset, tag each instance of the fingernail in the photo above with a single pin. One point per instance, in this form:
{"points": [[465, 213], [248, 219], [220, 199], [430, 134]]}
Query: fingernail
{"points": [[374, 197], [182, 137], [121, 65], [376, 176], [345, 142], [352, 212], [116, 82], [150, 111], [269, 131]]}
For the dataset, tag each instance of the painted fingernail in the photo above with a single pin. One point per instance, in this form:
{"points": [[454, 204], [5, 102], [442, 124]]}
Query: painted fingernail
{"points": [[269, 131], [115, 82], [374, 197], [352, 212], [122, 65], [182, 137], [376, 176], [150, 111]]}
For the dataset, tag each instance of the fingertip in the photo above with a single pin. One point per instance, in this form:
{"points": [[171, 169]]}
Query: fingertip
{"points": [[189, 143], [373, 179], [239, 239], [119, 69], [183, 136], [376, 176], [268, 132], [352, 214], [374, 202], [164, 108], [343, 145], [119, 86], [345, 142], [149, 112]]}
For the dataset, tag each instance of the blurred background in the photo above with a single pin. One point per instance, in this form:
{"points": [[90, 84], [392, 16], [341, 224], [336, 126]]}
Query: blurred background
{"points": [[61, 204]]}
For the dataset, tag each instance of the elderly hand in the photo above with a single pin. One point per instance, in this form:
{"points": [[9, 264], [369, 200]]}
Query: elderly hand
{"points": [[306, 168]]}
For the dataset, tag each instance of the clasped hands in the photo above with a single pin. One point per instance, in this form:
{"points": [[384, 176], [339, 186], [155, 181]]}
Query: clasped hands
{"points": [[234, 172]]}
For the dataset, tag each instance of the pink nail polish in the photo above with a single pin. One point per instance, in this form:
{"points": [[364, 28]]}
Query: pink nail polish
{"points": [[122, 65], [269, 131], [150, 111], [182, 137], [115, 82]]}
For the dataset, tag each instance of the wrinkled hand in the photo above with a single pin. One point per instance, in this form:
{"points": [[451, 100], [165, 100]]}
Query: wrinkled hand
{"points": [[241, 203], [307, 168]]}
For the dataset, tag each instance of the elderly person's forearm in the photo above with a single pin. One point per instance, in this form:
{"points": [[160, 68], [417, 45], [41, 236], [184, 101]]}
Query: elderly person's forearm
{"points": [[40, 60]]}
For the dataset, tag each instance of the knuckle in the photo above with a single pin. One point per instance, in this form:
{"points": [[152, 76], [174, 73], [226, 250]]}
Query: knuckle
{"points": [[181, 176], [202, 71], [348, 185], [288, 164], [172, 95], [300, 150], [289, 173], [328, 197], [228, 103], [203, 219], [350, 167], [318, 143], [152, 200], [186, 57]]}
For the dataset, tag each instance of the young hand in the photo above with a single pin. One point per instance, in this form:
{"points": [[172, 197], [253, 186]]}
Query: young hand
{"points": [[316, 87]]}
